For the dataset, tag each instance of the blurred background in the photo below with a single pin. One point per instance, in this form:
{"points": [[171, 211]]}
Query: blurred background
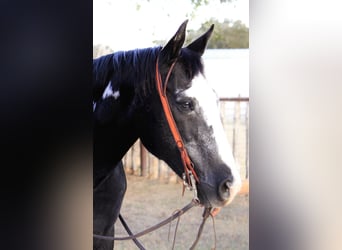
{"points": [[295, 120], [295, 70]]}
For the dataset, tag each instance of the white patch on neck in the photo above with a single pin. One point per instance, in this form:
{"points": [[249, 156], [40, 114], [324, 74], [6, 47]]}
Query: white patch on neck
{"points": [[207, 100], [110, 93]]}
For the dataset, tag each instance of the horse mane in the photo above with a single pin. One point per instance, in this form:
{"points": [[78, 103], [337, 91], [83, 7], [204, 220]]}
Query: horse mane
{"points": [[135, 68]]}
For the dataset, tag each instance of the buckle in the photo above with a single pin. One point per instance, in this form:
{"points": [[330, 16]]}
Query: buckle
{"points": [[191, 185]]}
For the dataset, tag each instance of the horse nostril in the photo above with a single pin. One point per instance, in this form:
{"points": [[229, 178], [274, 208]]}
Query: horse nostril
{"points": [[224, 189]]}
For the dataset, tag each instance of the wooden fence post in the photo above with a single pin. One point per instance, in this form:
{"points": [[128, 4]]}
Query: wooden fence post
{"points": [[143, 160], [236, 127], [247, 141]]}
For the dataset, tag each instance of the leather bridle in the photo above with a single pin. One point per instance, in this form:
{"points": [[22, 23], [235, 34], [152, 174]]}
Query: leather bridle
{"points": [[189, 176]]}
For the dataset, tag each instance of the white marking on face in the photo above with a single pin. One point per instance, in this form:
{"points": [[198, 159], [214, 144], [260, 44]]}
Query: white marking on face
{"points": [[207, 100], [110, 93]]}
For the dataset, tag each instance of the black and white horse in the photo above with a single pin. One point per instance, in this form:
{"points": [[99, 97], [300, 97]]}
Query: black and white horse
{"points": [[127, 107]]}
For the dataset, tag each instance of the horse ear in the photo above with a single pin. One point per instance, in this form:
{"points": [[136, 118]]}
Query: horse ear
{"points": [[200, 43], [172, 49]]}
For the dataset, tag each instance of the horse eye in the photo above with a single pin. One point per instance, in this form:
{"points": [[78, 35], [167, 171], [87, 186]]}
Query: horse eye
{"points": [[186, 105]]}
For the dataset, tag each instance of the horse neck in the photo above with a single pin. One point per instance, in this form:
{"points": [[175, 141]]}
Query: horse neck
{"points": [[113, 137], [114, 127]]}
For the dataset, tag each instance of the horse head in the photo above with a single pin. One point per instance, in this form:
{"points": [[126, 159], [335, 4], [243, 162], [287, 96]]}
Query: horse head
{"points": [[195, 109]]}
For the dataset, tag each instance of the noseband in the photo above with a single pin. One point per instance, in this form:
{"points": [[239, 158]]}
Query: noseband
{"points": [[189, 176]]}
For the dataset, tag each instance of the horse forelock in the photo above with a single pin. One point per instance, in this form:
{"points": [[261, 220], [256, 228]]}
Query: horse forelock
{"points": [[192, 62], [189, 65]]}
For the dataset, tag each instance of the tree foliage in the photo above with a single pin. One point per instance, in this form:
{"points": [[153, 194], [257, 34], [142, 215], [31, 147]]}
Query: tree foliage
{"points": [[227, 34], [197, 3], [100, 50]]}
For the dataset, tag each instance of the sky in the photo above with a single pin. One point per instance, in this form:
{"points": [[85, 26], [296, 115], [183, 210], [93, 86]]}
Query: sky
{"points": [[118, 23]]}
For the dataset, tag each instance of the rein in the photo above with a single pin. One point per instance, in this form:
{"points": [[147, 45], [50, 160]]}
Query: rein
{"points": [[153, 228], [206, 213]]}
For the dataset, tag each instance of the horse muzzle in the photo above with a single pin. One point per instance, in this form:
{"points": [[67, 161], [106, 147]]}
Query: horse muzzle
{"points": [[218, 195], [227, 191]]}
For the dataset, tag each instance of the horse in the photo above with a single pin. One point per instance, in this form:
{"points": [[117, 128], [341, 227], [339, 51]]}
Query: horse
{"points": [[128, 107]]}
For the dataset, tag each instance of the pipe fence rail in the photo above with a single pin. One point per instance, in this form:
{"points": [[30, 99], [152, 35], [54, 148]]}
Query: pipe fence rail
{"points": [[235, 118]]}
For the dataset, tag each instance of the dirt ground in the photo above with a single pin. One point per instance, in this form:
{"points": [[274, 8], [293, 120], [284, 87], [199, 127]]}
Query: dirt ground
{"points": [[147, 202]]}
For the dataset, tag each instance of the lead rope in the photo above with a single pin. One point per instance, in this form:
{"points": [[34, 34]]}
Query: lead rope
{"points": [[206, 213]]}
